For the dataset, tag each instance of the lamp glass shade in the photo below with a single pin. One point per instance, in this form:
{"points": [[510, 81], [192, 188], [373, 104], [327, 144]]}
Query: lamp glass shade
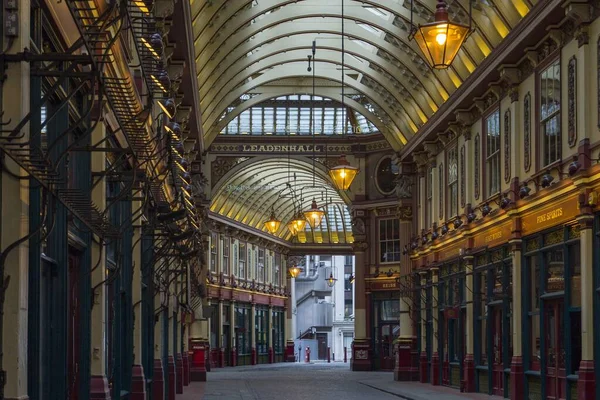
{"points": [[297, 224], [440, 42], [343, 174], [294, 271], [272, 225], [168, 107], [331, 280], [314, 215]]}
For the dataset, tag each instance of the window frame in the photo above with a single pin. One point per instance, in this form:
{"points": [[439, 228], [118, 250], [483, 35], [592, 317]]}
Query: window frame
{"points": [[452, 212], [541, 137], [214, 252], [242, 263], [389, 241], [226, 258], [488, 158]]}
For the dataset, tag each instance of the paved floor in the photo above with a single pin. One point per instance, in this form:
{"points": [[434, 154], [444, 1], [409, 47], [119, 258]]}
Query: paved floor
{"points": [[313, 382]]}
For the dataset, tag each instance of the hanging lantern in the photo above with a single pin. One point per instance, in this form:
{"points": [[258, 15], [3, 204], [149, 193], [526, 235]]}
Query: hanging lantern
{"points": [[294, 271], [297, 224], [331, 280], [273, 223], [441, 39], [314, 215], [169, 107], [343, 174]]}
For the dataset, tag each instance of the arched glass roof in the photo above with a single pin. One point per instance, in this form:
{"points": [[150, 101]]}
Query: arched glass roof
{"points": [[297, 115], [258, 50]]}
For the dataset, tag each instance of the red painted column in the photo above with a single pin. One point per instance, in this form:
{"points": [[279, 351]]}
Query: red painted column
{"points": [[186, 368], [469, 374], [221, 357], [99, 389], [423, 367], [586, 384], [253, 356], [517, 379], [233, 357], [271, 356], [138, 383], [289, 351], [172, 376], [158, 381], [435, 369], [403, 370], [198, 361], [179, 373]]}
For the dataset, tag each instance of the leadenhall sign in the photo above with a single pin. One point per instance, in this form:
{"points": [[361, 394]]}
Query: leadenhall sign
{"points": [[275, 148]]}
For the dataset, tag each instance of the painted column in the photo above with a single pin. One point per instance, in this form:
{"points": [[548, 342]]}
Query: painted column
{"points": [[586, 386], [290, 320], [220, 340], [404, 370], [233, 361], [469, 363], [196, 343], [517, 377], [99, 384], [361, 348], [171, 349], [423, 358], [138, 381], [435, 357], [158, 375], [253, 355], [270, 327]]}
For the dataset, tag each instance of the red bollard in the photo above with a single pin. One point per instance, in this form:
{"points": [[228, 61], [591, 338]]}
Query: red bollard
{"points": [[307, 355], [345, 354], [328, 354]]}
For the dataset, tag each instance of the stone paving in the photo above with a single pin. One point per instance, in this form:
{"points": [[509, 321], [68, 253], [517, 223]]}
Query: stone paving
{"points": [[313, 381]]}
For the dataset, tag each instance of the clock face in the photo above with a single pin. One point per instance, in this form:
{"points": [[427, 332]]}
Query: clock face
{"points": [[386, 175]]}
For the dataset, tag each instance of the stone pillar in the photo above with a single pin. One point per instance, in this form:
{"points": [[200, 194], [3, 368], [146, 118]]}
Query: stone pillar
{"points": [[184, 354], [290, 321], [435, 357], [171, 347], [197, 370], [403, 370], [178, 355], [361, 347], [469, 363], [158, 376], [586, 385], [99, 384], [423, 362], [220, 344], [270, 325], [517, 377], [138, 381], [253, 356]]}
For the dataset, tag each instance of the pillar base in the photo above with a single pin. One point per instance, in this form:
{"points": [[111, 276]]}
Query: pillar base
{"points": [[233, 357], [468, 383], [99, 388], [586, 384], [221, 357], [179, 374], [435, 369], [253, 356], [158, 381], [186, 369], [172, 376], [423, 378], [138, 383], [404, 370], [361, 355], [289, 351], [517, 379], [271, 356]]}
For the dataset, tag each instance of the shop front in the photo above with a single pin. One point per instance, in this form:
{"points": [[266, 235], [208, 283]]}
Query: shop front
{"points": [[384, 322]]}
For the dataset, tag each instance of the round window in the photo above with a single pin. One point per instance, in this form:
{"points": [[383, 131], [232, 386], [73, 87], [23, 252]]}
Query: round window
{"points": [[386, 175]]}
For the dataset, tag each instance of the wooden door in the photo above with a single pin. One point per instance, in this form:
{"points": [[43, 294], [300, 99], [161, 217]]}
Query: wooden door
{"points": [[497, 346], [387, 334], [322, 343], [556, 381], [73, 337]]}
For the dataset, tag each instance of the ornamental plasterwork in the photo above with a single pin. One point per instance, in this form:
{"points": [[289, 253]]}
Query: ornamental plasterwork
{"points": [[476, 166], [527, 131], [507, 149], [463, 196], [222, 165], [572, 101]]}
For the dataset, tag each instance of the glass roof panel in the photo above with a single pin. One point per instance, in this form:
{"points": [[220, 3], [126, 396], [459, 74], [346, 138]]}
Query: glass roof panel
{"points": [[297, 115]]}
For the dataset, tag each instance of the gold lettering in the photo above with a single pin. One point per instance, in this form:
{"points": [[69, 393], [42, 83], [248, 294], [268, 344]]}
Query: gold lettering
{"points": [[550, 215], [493, 236]]}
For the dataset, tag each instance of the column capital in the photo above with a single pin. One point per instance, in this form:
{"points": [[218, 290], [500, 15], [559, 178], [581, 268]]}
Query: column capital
{"points": [[360, 247]]}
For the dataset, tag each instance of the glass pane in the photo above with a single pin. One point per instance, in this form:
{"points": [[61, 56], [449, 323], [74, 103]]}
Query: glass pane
{"points": [[575, 274], [555, 269]]}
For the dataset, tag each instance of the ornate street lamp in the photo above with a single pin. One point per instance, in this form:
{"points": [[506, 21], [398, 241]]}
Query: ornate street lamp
{"points": [[331, 280], [343, 174], [296, 224], [441, 39], [314, 215], [273, 223], [294, 271]]}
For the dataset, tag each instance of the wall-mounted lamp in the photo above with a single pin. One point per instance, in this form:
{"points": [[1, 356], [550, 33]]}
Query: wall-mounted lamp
{"points": [[168, 106], [445, 228], [524, 191], [547, 179], [458, 222], [505, 201]]}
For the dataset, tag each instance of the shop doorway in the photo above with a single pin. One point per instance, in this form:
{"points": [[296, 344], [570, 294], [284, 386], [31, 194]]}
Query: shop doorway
{"points": [[322, 346], [556, 380], [386, 336], [498, 351]]}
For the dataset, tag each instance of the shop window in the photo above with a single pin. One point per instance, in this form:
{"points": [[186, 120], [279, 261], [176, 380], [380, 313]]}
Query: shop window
{"points": [[429, 190], [276, 270], [242, 258], [452, 182], [347, 284], [549, 101], [389, 240], [226, 255], [261, 325], [575, 274], [534, 312], [492, 151], [348, 309], [483, 315], [214, 327], [260, 265], [213, 252]]}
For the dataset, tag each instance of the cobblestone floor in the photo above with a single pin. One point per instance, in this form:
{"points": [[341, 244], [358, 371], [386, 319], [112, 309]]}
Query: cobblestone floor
{"points": [[312, 382]]}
